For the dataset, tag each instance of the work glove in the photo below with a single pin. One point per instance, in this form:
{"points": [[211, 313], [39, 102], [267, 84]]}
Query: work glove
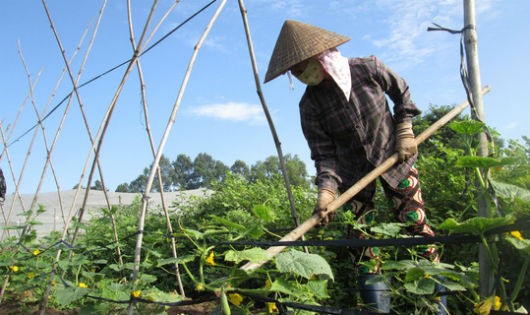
{"points": [[324, 197], [405, 143]]}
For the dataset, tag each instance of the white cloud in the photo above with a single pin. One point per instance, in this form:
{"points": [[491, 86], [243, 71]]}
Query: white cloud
{"points": [[232, 111], [512, 125], [292, 8], [407, 39]]}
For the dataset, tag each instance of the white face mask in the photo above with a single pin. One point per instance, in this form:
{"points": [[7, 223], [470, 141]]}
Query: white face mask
{"points": [[313, 73]]}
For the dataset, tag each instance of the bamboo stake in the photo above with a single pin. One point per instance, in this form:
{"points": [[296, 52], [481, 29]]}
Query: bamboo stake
{"points": [[75, 82], [75, 93], [153, 150], [46, 146], [44, 300], [149, 183], [486, 275], [357, 187], [16, 194], [31, 86], [277, 142]]}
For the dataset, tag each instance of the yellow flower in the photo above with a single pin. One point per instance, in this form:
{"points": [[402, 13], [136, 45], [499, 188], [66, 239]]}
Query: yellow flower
{"points": [[210, 260], [199, 287], [497, 303], [517, 235], [35, 252], [485, 307], [82, 285], [272, 308], [14, 268], [31, 275], [136, 293], [235, 298]]}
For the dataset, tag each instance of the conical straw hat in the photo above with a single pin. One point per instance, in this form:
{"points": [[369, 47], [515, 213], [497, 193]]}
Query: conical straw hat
{"points": [[297, 42]]}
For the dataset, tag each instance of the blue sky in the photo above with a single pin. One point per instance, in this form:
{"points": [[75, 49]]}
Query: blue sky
{"points": [[220, 112]]}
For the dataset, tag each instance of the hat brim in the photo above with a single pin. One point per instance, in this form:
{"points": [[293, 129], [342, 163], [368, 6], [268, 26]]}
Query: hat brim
{"points": [[297, 42]]}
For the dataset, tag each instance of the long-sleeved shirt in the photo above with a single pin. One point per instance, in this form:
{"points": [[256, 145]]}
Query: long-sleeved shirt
{"points": [[348, 138]]}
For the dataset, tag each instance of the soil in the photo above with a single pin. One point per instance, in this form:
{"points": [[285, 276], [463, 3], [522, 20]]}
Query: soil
{"points": [[15, 308]]}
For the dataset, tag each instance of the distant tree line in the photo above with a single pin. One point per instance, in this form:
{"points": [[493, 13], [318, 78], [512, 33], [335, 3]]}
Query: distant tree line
{"points": [[183, 173]]}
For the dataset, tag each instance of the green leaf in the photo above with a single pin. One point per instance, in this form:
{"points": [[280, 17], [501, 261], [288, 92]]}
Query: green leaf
{"points": [[284, 286], [228, 223], [318, 288], [255, 255], [422, 287], [155, 294], [100, 262], [522, 245], [510, 192], [398, 265], [193, 233], [476, 225], [255, 231], [388, 229], [265, 213], [480, 162], [453, 286], [166, 261], [414, 274], [114, 267], [112, 290], [303, 264], [467, 127], [147, 278], [66, 296]]}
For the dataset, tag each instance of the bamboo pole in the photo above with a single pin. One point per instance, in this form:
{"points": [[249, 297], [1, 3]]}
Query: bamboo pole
{"points": [[277, 142], [357, 187], [49, 149], [16, 193], [486, 276], [171, 121], [153, 148]]}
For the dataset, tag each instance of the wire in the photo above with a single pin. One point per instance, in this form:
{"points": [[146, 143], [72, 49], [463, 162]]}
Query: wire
{"points": [[109, 71]]}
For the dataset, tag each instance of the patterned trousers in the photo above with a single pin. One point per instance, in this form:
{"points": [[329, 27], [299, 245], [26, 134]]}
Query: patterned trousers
{"points": [[409, 209]]}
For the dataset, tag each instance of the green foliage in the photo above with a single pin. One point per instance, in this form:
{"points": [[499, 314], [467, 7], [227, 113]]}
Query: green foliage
{"points": [[250, 203], [204, 172], [303, 264]]}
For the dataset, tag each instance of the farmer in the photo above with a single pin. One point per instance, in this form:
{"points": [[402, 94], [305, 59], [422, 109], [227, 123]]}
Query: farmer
{"points": [[350, 129]]}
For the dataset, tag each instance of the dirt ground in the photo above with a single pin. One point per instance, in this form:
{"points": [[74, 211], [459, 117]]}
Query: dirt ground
{"points": [[14, 308]]}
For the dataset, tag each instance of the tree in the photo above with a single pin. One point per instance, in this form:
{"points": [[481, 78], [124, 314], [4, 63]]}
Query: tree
{"points": [[182, 171], [296, 170], [241, 168], [138, 185], [98, 185], [124, 188], [167, 173], [518, 172], [206, 171]]}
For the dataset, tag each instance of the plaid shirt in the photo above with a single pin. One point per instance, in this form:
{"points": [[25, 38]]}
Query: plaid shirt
{"points": [[348, 138]]}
